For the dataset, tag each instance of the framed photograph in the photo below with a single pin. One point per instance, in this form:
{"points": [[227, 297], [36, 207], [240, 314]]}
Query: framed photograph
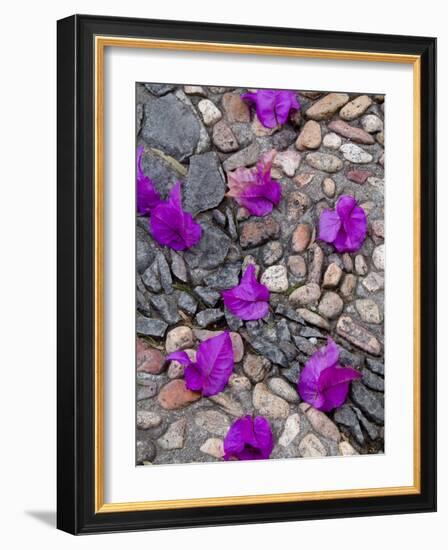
{"points": [[246, 274]]}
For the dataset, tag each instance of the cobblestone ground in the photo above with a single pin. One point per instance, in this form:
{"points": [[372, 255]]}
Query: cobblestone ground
{"points": [[334, 146]]}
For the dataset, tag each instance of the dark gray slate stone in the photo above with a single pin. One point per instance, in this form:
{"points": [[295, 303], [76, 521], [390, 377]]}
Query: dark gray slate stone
{"points": [[231, 226], [167, 307], [219, 217], [224, 278], [163, 173], [145, 250], [292, 373], [172, 126], [304, 345], [165, 274], [309, 332], [208, 317], [178, 266], [245, 157], [254, 328], [372, 381], [375, 366], [210, 250], [270, 351], [233, 322], [151, 278], [289, 350], [160, 89], [369, 402], [282, 331], [289, 313], [346, 417], [187, 303], [143, 303], [151, 327], [207, 295], [205, 185], [370, 428], [350, 359]]}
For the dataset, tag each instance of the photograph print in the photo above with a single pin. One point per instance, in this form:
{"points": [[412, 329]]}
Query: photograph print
{"points": [[259, 273]]}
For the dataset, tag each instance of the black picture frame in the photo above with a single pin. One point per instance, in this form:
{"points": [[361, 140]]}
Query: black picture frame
{"points": [[76, 254]]}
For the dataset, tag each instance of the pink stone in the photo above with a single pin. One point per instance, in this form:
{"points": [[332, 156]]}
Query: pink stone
{"points": [[149, 359], [359, 176], [235, 108], [357, 135]]}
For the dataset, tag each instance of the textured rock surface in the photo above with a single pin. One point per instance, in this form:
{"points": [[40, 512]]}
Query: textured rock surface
{"points": [[333, 146]]}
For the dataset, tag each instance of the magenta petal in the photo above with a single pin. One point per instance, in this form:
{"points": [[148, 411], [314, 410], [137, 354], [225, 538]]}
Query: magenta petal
{"points": [[329, 225], [345, 227], [215, 361], [249, 439], [253, 188], [265, 105], [179, 356], [147, 195], [272, 106], [172, 226], [333, 384], [323, 382], [248, 300], [193, 377], [285, 102]]}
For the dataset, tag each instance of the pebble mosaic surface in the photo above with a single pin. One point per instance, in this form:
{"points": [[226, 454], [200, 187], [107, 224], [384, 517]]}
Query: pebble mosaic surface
{"points": [[333, 146]]}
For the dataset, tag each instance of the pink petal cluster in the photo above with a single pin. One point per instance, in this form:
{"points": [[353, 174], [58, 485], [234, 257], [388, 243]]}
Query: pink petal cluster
{"points": [[249, 438], [272, 106], [323, 382], [254, 188], [172, 226], [213, 367], [147, 195], [345, 227], [250, 299]]}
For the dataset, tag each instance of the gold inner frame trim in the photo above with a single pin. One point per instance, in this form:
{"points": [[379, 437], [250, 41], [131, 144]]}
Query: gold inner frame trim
{"points": [[101, 42]]}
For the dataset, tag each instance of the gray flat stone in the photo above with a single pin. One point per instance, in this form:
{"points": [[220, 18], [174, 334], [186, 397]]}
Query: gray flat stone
{"points": [[205, 185]]}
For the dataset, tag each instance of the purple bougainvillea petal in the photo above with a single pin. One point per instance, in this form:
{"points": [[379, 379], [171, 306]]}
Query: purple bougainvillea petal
{"points": [[147, 195], [285, 102], [249, 438], [250, 299], [193, 377], [179, 356], [272, 106], [171, 226], [213, 367], [254, 188], [323, 383], [329, 225], [345, 227], [334, 384], [215, 362]]}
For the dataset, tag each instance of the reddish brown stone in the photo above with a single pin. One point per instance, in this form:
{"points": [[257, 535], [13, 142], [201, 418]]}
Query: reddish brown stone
{"points": [[235, 108], [355, 134], [176, 395], [258, 232], [359, 176], [301, 237], [149, 359]]}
